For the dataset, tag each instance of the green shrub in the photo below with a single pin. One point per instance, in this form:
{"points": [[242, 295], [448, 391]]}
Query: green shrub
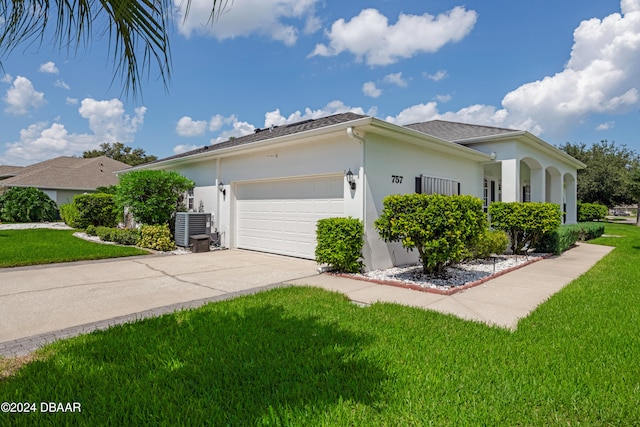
{"points": [[28, 204], [591, 212], [105, 233], [591, 230], [91, 230], [152, 196], [157, 237], [340, 242], [439, 227], [97, 209], [70, 215], [489, 242], [125, 236], [565, 236], [524, 222]]}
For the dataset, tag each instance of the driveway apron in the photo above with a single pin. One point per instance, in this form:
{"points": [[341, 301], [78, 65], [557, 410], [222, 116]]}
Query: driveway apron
{"points": [[40, 300]]}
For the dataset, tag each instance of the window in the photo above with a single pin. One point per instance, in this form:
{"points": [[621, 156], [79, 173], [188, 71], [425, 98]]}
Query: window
{"points": [[190, 199], [432, 185], [485, 195]]}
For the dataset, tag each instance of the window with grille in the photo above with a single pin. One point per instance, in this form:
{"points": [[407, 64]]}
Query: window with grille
{"points": [[432, 185]]}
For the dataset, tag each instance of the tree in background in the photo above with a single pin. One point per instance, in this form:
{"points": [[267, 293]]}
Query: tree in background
{"points": [[152, 196], [118, 151], [138, 31], [608, 174], [634, 190]]}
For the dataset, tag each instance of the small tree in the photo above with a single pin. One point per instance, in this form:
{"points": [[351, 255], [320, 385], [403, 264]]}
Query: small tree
{"points": [[27, 205], [440, 228], [525, 223], [152, 196]]}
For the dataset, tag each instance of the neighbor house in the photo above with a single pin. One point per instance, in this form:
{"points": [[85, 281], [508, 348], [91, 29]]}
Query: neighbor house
{"points": [[267, 190], [63, 177]]}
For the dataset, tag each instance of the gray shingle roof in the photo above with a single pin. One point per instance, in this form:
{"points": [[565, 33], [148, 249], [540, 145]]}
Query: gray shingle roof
{"points": [[68, 173], [272, 132], [9, 171], [457, 132]]}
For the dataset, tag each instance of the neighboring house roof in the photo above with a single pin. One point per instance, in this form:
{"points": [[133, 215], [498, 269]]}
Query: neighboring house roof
{"points": [[69, 173], [459, 132], [9, 171]]}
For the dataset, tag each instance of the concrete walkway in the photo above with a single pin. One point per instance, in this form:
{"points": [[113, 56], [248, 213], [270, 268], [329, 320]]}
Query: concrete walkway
{"points": [[502, 301], [45, 303]]}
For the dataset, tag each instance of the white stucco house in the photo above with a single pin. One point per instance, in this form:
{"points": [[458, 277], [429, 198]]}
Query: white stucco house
{"points": [[267, 190]]}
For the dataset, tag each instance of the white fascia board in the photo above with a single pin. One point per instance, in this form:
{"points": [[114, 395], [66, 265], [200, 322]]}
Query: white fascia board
{"points": [[530, 139], [428, 141]]}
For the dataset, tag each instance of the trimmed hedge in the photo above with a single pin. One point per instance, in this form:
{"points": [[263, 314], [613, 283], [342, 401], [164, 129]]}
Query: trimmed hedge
{"points": [[70, 215], [340, 242], [123, 236], [441, 228], [524, 222], [490, 242], [567, 235], [591, 212], [98, 209]]}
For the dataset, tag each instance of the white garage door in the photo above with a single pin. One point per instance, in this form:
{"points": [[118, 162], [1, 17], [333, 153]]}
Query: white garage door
{"points": [[280, 216]]}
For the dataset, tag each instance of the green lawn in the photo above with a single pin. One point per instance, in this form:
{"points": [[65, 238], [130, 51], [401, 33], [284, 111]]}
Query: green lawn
{"points": [[304, 356], [45, 246]]}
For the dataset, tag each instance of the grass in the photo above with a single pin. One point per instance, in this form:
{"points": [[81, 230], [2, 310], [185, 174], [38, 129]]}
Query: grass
{"points": [[304, 356], [45, 246]]}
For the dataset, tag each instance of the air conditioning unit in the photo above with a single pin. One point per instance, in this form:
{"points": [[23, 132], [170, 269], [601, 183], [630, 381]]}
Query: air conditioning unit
{"points": [[189, 224]]}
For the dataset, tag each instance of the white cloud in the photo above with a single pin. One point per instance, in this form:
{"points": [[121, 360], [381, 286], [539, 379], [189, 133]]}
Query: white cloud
{"points": [[21, 96], [370, 38], [602, 75], [7, 79], [71, 101], [605, 126], [247, 17], [108, 120], [477, 114], [396, 79], [238, 129], [443, 98], [370, 89], [188, 127], [218, 121], [437, 76], [49, 68], [183, 148], [334, 107], [61, 84], [41, 141]]}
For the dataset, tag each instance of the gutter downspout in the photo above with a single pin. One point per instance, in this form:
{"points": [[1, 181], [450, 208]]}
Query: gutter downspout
{"points": [[353, 135]]}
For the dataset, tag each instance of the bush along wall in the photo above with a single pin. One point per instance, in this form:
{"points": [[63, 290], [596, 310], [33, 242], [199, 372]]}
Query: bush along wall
{"points": [[591, 212], [565, 236], [524, 222], [27, 205], [441, 228], [340, 242]]}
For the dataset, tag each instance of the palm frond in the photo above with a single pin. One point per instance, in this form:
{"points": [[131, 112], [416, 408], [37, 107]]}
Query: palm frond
{"points": [[138, 31]]}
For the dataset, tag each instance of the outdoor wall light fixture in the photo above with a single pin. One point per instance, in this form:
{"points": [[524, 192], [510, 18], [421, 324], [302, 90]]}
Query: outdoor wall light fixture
{"points": [[221, 188], [351, 180]]}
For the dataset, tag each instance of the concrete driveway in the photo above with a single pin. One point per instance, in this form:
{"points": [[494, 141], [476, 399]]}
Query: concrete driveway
{"points": [[51, 302]]}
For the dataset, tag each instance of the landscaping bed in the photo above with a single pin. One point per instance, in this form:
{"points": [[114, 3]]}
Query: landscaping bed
{"points": [[455, 278]]}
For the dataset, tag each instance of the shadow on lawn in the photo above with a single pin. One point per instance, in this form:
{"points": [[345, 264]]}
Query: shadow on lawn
{"points": [[262, 364]]}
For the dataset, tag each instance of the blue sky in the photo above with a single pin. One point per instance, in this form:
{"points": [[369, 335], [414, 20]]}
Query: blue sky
{"points": [[566, 71]]}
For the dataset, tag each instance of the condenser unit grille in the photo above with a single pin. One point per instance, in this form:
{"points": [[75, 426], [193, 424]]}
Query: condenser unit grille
{"points": [[189, 224]]}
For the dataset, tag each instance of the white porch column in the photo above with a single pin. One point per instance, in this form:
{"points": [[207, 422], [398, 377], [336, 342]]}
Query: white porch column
{"points": [[555, 190], [571, 199], [510, 180], [538, 185]]}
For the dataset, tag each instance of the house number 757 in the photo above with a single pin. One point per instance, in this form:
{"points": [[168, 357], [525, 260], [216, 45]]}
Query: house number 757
{"points": [[396, 179]]}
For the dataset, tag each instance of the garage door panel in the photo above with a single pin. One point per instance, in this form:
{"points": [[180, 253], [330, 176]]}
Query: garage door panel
{"points": [[281, 216]]}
